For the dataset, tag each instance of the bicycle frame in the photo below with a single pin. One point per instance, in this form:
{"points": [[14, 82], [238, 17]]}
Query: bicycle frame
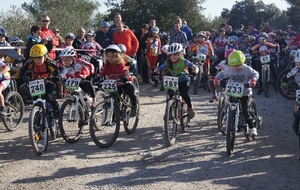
{"points": [[78, 100]]}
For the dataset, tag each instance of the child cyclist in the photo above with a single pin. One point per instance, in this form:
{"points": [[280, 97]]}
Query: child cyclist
{"points": [[114, 68], [177, 65], [77, 68], [242, 73], [4, 82]]}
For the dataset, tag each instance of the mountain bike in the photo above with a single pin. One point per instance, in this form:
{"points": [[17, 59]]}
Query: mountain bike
{"points": [[108, 114], [74, 112], [296, 123], [40, 119], [266, 73], [287, 86], [15, 107], [231, 117], [176, 109]]}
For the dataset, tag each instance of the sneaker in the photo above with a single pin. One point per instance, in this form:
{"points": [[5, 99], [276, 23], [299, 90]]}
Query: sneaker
{"points": [[259, 122], [259, 91], [3, 111], [251, 131], [213, 99], [191, 113], [151, 81], [133, 111]]}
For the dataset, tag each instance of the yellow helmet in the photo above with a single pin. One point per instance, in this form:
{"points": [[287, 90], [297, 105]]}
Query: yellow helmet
{"points": [[38, 50], [236, 58]]}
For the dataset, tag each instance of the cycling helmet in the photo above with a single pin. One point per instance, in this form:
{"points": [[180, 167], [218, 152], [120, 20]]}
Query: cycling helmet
{"points": [[228, 52], [91, 33], [251, 38], [70, 35], [2, 32], [233, 38], [113, 48], [15, 40], [202, 33], [105, 24], [68, 52], [163, 33], [278, 32], [236, 58], [155, 29], [175, 48], [122, 48], [284, 32], [297, 56], [263, 34], [38, 50], [292, 33], [290, 26], [272, 34]]}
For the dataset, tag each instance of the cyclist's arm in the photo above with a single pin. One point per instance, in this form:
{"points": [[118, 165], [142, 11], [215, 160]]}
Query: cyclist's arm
{"points": [[161, 68], [5, 68]]}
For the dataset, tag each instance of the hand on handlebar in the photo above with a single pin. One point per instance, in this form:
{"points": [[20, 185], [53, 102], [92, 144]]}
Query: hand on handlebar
{"points": [[252, 83]]}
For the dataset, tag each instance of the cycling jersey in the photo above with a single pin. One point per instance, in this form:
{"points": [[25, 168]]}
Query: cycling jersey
{"points": [[94, 46], [220, 43], [114, 71]]}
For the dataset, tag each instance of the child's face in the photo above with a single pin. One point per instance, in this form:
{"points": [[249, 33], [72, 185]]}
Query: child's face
{"points": [[174, 57], [67, 61], [111, 57], [236, 68], [39, 60], [201, 39], [2, 38], [90, 38], [195, 39], [69, 41], [222, 34]]}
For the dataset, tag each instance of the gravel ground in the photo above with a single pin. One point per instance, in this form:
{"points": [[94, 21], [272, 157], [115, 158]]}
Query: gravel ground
{"points": [[142, 160]]}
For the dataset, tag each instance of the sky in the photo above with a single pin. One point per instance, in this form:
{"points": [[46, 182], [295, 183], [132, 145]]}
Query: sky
{"points": [[213, 7]]}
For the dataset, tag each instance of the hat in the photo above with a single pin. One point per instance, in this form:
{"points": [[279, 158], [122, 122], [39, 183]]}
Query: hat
{"points": [[105, 24], [155, 29], [145, 26]]}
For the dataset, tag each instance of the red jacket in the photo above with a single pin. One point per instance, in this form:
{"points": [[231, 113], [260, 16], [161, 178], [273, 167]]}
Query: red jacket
{"points": [[47, 32], [128, 39]]}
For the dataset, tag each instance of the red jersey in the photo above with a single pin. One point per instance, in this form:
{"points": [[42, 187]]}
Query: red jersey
{"points": [[77, 70], [220, 43], [93, 45], [114, 71]]}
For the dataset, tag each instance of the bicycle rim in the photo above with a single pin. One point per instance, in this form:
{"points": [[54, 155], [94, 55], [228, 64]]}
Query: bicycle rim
{"points": [[15, 111], [38, 134], [184, 120], [130, 123], [70, 128], [103, 133], [197, 82], [170, 123], [288, 92], [222, 118], [230, 138]]}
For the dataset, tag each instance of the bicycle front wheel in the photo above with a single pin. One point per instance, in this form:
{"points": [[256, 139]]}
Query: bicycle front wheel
{"points": [[70, 124], [265, 82], [130, 123], [15, 111], [38, 132], [287, 88], [222, 119], [170, 123], [184, 120], [230, 138], [104, 131]]}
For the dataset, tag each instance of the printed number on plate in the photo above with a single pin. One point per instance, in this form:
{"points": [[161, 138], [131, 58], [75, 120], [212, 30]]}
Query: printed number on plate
{"points": [[109, 86], [73, 84], [37, 87], [171, 82], [265, 59], [234, 89]]}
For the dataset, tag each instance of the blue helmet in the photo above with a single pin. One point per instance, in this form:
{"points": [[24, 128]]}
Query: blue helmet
{"points": [[105, 24], [233, 38], [2, 31]]}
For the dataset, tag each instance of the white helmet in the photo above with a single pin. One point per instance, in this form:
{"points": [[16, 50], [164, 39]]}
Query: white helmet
{"points": [[297, 56], [122, 48], [68, 52], [175, 48], [113, 48]]}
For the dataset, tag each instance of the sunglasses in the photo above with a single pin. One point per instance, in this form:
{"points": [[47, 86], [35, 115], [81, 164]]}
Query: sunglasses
{"points": [[56, 31], [45, 20], [145, 28]]}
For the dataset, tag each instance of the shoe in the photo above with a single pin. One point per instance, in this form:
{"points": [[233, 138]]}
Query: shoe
{"points": [[259, 122], [133, 111], [3, 111], [151, 81], [213, 99], [251, 131], [191, 113], [259, 91]]}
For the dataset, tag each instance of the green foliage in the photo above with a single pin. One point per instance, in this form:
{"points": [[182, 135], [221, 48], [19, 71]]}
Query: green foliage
{"points": [[294, 13]]}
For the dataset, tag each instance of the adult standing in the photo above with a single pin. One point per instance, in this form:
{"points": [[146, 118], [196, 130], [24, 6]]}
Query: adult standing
{"points": [[177, 35], [48, 35], [184, 28], [103, 37], [266, 28], [253, 32], [117, 18], [79, 39], [126, 37], [60, 39], [229, 31], [152, 23]]}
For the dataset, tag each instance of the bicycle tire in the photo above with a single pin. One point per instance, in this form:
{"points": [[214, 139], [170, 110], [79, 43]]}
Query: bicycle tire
{"points": [[130, 124], [230, 136], [222, 118], [265, 82], [99, 96], [70, 131], [184, 120], [289, 92], [198, 81], [38, 132], [136, 85], [15, 111], [170, 122], [103, 136]]}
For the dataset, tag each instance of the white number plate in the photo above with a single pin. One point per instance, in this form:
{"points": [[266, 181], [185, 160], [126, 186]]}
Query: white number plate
{"points": [[73, 84], [37, 87], [265, 59], [109, 86], [171, 82], [298, 97], [248, 56], [234, 89]]}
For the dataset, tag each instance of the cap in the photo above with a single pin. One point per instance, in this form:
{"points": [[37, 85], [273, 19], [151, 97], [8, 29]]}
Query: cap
{"points": [[105, 24]]}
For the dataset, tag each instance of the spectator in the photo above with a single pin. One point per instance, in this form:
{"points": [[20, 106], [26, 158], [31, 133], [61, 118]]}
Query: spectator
{"points": [[177, 35], [126, 37], [60, 40], [253, 32], [184, 22], [142, 36], [80, 39], [117, 18], [35, 38], [103, 37], [229, 31], [152, 23], [69, 41], [223, 25], [266, 28], [289, 28], [185, 29], [48, 35]]}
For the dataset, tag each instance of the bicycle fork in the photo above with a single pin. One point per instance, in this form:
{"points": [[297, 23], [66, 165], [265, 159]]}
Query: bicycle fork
{"points": [[236, 115], [264, 73], [107, 117]]}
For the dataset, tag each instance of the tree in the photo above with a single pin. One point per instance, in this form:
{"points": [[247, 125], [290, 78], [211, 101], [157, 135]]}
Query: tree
{"points": [[294, 13]]}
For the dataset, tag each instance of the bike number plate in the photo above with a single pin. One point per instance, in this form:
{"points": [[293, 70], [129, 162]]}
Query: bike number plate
{"points": [[171, 83], [298, 97], [37, 87], [109, 86], [234, 89], [248, 56], [86, 58], [265, 59], [72, 84]]}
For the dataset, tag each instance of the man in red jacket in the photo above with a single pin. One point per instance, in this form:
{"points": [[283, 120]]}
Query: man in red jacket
{"points": [[126, 37], [48, 35]]}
